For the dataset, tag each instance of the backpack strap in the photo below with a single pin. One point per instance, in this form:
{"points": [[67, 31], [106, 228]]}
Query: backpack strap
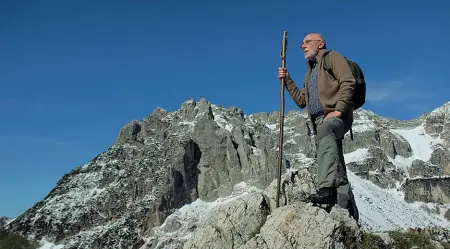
{"points": [[326, 61], [327, 66]]}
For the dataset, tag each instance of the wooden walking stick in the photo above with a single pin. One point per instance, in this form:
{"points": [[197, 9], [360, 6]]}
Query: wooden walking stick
{"points": [[280, 144]]}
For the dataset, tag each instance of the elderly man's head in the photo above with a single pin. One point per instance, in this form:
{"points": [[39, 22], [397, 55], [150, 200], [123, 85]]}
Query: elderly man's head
{"points": [[311, 45]]}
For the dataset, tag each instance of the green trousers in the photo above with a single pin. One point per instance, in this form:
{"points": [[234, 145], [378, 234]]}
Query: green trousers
{"points": [[332, 171]]}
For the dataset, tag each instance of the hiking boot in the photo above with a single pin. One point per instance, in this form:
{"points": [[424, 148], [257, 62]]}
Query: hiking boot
{"points": [[324, 196]]}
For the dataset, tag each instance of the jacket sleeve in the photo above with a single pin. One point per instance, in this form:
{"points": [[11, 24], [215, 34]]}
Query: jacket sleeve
{"points": [[347, 82], [297, 95]]}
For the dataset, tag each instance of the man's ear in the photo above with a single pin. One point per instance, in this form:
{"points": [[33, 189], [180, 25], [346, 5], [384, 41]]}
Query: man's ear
{"points": [[321, 44]]}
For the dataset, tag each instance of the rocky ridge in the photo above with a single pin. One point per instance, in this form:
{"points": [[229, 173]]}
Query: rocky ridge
{"points": [[3, 221], [201, 152]]}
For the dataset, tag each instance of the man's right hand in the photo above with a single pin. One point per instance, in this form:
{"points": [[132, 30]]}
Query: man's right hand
{"points": [[283, 73]]}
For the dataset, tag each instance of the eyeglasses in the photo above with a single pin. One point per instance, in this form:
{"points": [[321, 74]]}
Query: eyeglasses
{"points": [[309, 41]]}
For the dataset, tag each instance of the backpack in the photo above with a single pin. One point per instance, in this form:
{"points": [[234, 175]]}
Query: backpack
{"points": [[359, 95]]}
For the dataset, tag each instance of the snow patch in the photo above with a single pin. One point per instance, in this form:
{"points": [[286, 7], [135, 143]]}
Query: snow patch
{"points": [[191, 215], [437, 208], [69, 206], [401, 162], [256, 151], [363, 123], [356, 156], [444, 109], [44, 244], [421, 143], [299, 160], [272, 127], [169, 117], [9, 221], [190, 123], [291, 141], [222, 121], [382, 210]]}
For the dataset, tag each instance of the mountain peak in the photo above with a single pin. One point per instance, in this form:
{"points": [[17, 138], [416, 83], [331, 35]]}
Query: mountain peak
{"points": [[176, 164], [442, 110]]}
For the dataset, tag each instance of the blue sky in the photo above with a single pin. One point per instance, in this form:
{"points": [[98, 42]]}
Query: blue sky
{"points": [[74, 72]]}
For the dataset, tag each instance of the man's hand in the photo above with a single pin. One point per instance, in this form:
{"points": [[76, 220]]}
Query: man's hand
{"points": [[337, 114], [283, 73]]}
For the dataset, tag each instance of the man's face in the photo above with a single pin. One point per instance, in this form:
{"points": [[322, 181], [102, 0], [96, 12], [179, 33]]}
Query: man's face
{"points": [[311, 45]]}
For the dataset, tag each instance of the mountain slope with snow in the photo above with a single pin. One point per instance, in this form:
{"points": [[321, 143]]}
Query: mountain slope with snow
{"points": [[384, 210], [173, 167]]}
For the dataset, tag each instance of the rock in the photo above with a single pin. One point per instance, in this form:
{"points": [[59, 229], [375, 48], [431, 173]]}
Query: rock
{"points": [[3, 221], [133, 192], [305, 226], [231, 157], [138, 244], [437, 123], [121, 191], [441, 158], [394, 145], [189, 111], [377, 168], [128, 134], [427, 190], [253, 221], [296, 186], [386, 238], [231, 225], [420, 168]]}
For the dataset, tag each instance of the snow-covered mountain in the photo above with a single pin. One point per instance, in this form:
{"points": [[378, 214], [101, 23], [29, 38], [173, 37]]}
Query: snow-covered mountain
{"points": [[4, 221], [157, 184]]}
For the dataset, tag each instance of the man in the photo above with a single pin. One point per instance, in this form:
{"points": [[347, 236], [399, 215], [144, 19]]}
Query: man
{"points": [[328, 99]]}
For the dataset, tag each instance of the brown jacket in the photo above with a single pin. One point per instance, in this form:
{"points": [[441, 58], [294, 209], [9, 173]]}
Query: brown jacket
{"points": [[333, 94]]}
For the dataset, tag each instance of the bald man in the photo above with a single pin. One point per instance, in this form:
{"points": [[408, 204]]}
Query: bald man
{"points": [[328, 100]]}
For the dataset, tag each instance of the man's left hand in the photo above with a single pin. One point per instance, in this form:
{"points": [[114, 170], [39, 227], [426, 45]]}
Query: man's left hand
{"points": [[332, 114]]}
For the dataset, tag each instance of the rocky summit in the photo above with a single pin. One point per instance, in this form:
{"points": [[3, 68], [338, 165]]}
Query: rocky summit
{"points": [[204, 176], [3, 221]]}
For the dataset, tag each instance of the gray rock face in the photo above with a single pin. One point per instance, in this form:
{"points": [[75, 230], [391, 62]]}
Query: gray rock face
{"points": [[128, 196], [377, 168], [128, 134], [121, 192], [394, 145], [3, 220], [427, 190], [420, 168], [441, 158], [304, 226], [372, 130], [252, 221], [157, 166], [232, 152], [438, 123], [231, 225]]}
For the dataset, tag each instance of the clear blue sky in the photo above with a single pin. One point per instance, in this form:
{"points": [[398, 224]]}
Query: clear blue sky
{"points": [[73, 73]]}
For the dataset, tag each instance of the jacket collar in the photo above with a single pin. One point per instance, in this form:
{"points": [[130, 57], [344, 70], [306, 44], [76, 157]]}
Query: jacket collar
{"points": [[322, 52], [319, 56]]}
